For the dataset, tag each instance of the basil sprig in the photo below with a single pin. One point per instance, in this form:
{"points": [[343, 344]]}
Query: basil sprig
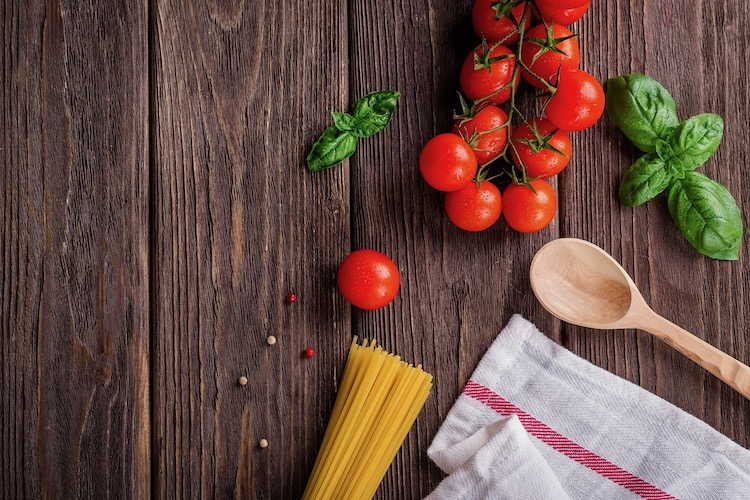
{"points": [[703, 209], [369, 116]]}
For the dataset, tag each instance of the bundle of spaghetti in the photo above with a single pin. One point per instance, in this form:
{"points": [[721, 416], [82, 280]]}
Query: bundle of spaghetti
{"points": [[378, 401]]}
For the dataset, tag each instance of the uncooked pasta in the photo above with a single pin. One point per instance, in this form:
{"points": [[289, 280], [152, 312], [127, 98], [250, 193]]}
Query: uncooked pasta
{"points": [[378, 401]]}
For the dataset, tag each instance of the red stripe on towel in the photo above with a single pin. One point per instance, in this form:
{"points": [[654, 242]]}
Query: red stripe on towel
{"points": [[569, 448]]}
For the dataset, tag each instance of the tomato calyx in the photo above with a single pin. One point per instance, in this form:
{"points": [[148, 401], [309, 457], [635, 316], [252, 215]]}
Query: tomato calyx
{"points": [[467, 112], [473, 139], [523, 181], [483, 175], [484, 60], [480, 177], [540, 141], [503, 9], [551, 88], [549, 44]]}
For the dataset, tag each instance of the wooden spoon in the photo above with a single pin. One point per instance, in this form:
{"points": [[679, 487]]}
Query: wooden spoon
{"points": [[582, 284]]}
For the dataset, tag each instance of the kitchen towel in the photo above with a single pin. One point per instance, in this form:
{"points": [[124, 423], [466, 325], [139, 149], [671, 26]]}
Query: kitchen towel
{"points": [[537, 422]]}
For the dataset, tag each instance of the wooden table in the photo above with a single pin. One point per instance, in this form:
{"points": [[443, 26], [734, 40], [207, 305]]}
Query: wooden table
{"points": [[156, 212]]}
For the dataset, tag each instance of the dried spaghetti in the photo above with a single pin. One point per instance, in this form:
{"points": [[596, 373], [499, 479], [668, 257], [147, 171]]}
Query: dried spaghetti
{"points": [[379, 399]]}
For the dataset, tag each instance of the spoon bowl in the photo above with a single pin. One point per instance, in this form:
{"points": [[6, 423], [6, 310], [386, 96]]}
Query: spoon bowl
{"points": [[583, 285]]}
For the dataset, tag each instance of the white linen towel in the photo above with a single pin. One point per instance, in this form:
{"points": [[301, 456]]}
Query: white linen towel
{"points": [[537, 422]]}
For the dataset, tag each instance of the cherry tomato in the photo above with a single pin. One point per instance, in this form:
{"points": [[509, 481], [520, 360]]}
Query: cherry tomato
{"points": [[545, 50], [486, 132], [577, 103], [543, 148], [447, 162], [528, 211], [474, 208], [492, 19], [368, 279], [494, 74], [562, 4], [565, 17]]}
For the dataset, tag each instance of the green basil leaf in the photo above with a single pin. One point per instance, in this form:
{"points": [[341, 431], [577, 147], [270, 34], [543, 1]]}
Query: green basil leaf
{"points": [[366, 128], [664, 150], [676, 168], [707, 215], [343, 121], [373, 112], [696, 139], [332, 147], [642, 109], [645, 179]]}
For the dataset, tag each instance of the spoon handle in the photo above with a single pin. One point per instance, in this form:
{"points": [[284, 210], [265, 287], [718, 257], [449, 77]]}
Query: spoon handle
{"points": [[733, 372]]}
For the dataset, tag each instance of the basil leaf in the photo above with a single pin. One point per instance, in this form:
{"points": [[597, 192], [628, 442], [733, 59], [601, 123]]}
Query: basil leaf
{"points": [[696, 139], [707, 215], [332, 147], [343, 121], [642, 109], [644, 180], [676, 168], [664, 150], [373, 112]]}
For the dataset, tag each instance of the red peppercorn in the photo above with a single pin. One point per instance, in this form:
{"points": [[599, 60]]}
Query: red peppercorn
{"points": [[291, 298], [309, 352]]}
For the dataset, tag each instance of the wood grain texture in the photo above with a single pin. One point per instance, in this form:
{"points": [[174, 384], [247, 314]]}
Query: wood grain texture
{"points": [[708, 298], [74, 247], [241, 91], [132, 274]]}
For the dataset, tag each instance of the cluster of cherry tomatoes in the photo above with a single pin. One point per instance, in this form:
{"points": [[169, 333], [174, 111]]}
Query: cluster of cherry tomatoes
{"points": [[546, 56]]}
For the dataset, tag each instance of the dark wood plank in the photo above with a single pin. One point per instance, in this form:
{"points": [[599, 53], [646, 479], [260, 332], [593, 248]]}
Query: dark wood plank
{"points": [[709, 298], [458, 288], [74, 247], [241, 91]]}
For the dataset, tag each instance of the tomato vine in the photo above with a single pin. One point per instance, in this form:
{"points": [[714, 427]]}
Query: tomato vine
{"points": [[521, 29], [547, 56]]}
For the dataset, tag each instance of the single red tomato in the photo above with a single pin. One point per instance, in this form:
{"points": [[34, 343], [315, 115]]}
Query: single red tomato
{"points": [[565, 17], [547, 49], [447, 162], [529, 211], [498, 20], [562, 4], [486, 132], [368, 279], [543, 148], [474, 207], [488, 75], [578, 101]]}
